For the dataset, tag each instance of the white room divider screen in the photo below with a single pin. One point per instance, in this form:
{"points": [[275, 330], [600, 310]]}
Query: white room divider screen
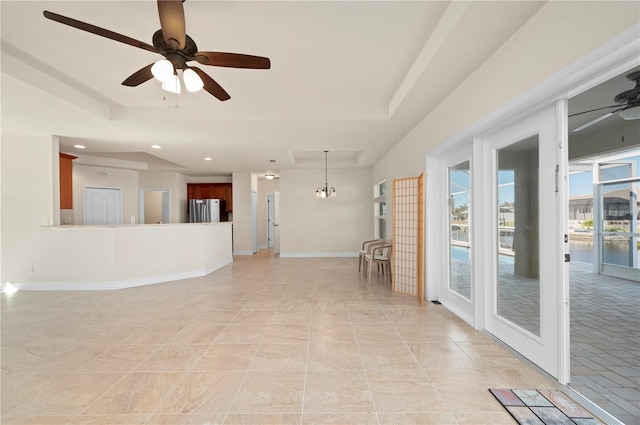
{"points": [[408, 239]]}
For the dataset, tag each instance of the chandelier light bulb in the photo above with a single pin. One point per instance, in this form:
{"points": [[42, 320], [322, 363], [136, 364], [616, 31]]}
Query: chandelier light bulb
{"points": [[162, 70], [192, 81]]}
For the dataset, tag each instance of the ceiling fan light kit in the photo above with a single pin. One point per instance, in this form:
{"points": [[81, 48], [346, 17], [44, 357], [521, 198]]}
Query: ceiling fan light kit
{"points": [[627, 105], [172, 42], [631, 113]]}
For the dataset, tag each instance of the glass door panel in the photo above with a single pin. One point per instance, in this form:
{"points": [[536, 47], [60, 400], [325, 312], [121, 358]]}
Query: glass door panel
{"points": [[618, 224], [459, 229], [523, 253], [518, 265]]}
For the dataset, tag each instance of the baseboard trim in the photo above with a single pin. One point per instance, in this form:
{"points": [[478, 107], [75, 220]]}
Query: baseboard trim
{"points": [[113, 285], [243, 253]]}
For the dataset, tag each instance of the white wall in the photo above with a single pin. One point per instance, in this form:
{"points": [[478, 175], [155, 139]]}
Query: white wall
{"points": [[242, 231], [28, 191], [558, 35], [332, 227]]}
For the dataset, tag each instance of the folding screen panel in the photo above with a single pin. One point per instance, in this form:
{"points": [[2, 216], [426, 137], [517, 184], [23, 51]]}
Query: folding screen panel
{"points": [[408, 239]]}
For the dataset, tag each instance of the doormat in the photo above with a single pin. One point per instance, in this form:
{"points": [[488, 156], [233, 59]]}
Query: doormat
{"points": [[542, 407]]}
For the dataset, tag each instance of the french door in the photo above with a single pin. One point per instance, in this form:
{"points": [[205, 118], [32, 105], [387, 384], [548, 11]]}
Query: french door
{"points": [[526, 292]]}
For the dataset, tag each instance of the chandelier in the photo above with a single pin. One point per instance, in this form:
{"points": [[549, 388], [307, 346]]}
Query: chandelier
{"points": [[325, 192]]}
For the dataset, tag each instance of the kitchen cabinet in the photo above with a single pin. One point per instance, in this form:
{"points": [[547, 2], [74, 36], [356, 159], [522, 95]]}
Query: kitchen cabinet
{"points": [[211, 191], [66, 181]]}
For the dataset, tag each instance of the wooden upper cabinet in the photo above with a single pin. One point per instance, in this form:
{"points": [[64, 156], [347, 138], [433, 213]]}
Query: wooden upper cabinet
{"points": [[66, 181], [211, 191]]}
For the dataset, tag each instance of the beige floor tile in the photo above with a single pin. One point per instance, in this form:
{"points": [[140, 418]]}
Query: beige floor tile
{"points": [[292, 317], [286, 334], [368, 316], [138, 392], [343, 356], [325, 333], [443, 355], [188, 419], [172, 358], [340, 418], [270, 392], [215, 317], [280, 357], [263, 419], [202, 392], [70, 395], [484, 418], [422, 418], [404, 391], [384, 333], [247, 316], [331, 316], [227, 357], [264, 340], [36, 420], [242, 334], [339, 391], [110, 420], [119, 358], [387, 356], [296, 304], [197, 334]]}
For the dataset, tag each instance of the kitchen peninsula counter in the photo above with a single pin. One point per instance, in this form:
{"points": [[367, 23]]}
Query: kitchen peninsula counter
{"points": [[121, 256]]}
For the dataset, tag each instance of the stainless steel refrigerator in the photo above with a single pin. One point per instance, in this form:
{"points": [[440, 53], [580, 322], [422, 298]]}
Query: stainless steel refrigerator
{"points": [[207, 210]]}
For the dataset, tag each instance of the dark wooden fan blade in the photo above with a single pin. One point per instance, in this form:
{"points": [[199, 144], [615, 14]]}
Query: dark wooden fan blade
{"points": [[211, 86], [139, 77], [232, 60], [172, 23], [100, 31]]}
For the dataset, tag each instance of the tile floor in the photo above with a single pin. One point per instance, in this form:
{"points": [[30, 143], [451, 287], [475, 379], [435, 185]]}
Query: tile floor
{"points": [[261, 341]]}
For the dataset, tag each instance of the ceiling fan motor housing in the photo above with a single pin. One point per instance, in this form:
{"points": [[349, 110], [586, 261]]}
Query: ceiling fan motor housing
{"points": [[177, 57]]}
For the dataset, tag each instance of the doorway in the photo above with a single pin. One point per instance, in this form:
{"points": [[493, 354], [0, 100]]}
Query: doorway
{"points": [[604, 274], [155, 206]]}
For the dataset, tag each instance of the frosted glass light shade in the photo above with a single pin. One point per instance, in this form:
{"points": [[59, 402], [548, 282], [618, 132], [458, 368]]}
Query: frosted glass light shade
{"points": [[631, 113], [172, 85], [162, 70], [192, 81]]}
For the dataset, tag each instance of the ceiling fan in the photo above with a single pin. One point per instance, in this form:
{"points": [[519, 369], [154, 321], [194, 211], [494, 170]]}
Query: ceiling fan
{"points": [[628, 104], [172, 42]]}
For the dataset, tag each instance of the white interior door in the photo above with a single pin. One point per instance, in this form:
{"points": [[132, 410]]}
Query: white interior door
{"points": [[102, 206], [527, 298], [270, 227], [254, 222], [276, 223]]}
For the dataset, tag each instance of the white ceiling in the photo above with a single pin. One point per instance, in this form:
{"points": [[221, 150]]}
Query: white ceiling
{"points": [[348, 77]]}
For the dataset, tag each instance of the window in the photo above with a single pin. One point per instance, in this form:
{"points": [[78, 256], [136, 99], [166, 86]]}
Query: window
{"points": [[380, 210]]}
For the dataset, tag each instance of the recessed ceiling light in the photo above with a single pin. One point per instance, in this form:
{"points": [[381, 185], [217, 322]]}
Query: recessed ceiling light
{"points": [[79, 146], [156, 146], [207, 159]]}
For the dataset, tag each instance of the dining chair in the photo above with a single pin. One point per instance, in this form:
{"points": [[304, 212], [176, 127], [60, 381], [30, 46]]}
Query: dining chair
{"points": [[381, 255], [367, 246]]}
